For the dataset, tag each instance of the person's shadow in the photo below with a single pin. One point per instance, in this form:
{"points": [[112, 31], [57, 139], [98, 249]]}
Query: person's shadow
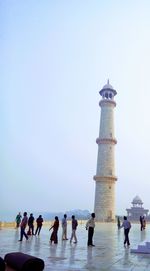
{"points": [[143, 236], [89, 256], [72, 254], [126, 256]]}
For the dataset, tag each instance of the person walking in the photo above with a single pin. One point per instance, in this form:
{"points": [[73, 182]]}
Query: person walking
{"points": [[23, 225], [74, 227], [55, 226], [31, 225], [64, 227], [127, 226], [90, 225], [18, 220], [39, 223]]}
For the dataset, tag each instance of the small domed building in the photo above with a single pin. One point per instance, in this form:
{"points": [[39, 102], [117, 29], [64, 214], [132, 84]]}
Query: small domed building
{"points": [[137, 210]]}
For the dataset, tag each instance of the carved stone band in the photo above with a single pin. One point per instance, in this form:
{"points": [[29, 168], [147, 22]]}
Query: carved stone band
{"points": [[106, 141], [105, 178]]}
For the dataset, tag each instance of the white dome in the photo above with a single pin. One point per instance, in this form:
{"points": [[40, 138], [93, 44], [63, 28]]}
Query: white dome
{"points": [[137, 200], [107, 86]]}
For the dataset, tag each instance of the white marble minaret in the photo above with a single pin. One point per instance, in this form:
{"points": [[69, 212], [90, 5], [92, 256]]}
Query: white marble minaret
{"points": [[105, 175]]}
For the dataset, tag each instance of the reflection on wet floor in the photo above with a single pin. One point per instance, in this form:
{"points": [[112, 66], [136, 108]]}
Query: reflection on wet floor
{"points": [[108, 254]]}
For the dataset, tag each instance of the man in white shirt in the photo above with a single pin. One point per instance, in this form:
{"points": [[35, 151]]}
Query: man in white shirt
{"points": [[90, 225], [127, 226], [64, 228]]}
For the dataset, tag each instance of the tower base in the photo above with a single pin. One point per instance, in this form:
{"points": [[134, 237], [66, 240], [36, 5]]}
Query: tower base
{"points": [[105, 201]]}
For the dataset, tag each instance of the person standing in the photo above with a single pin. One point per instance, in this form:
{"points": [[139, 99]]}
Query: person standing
{"points": [[31, 225], [39, 223], [127, 226], [55, 227], [118, 222], [74, 227], [141, 222], [144, 223], [23, 225], [18, 220], [64, 228], [90, 225]]}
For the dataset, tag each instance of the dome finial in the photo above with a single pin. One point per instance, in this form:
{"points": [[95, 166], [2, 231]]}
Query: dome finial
{"points": [[108, 87]]}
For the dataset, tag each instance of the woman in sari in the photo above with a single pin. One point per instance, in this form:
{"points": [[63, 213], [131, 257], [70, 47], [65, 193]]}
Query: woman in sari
{"points": [[54, 237]]}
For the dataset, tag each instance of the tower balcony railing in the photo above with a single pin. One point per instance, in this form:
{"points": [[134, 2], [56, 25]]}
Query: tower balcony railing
{"points": [[106, 141]]}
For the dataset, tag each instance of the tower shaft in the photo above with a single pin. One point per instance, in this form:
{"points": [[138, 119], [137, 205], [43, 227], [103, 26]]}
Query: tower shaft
{"points": [[105, 174]]}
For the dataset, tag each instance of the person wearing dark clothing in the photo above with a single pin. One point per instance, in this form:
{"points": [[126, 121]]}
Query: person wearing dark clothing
{"points": [[90, 225], [144, 223], [127, 226], [23, 225], [74, 227], [31, 225], [141, 222], [2, 265], [39, 222], [118, 222], [55, 227]]}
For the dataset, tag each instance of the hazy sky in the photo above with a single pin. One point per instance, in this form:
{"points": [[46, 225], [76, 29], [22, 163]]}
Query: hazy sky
{"points": [[55, 57]]}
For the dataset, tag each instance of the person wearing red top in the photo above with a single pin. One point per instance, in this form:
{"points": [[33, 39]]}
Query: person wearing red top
{"points": [[55, 227]]}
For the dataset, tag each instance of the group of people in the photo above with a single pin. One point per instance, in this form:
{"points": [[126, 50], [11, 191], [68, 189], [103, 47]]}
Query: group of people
{"points": [[25, 221], [90, 225], [55, 226]]}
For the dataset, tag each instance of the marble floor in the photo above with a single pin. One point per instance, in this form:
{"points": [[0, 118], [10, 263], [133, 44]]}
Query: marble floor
{"points": [[108, 253]]}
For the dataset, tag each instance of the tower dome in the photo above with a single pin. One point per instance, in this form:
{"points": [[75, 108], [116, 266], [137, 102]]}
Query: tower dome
{"points": [[137, 200], [108, 86], [108, 92]]}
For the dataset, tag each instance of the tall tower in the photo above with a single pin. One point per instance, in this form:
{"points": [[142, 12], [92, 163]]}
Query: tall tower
{"points": [[105, 175]]}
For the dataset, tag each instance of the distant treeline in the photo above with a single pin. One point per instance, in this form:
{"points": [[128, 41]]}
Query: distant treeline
{"points": [[47, 216], [79, 214]]}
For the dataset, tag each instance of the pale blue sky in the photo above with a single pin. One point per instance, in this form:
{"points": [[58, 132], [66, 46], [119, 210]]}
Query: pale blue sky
{"points": [[55, 57]]}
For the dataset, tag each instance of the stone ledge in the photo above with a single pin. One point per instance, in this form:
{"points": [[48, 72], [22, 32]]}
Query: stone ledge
{"points": [[105, 178], [142, 248], [106, 141]]}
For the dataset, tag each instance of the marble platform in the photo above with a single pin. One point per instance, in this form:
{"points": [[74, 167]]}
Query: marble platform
{"points": [[143, 247], [108, 254]]}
